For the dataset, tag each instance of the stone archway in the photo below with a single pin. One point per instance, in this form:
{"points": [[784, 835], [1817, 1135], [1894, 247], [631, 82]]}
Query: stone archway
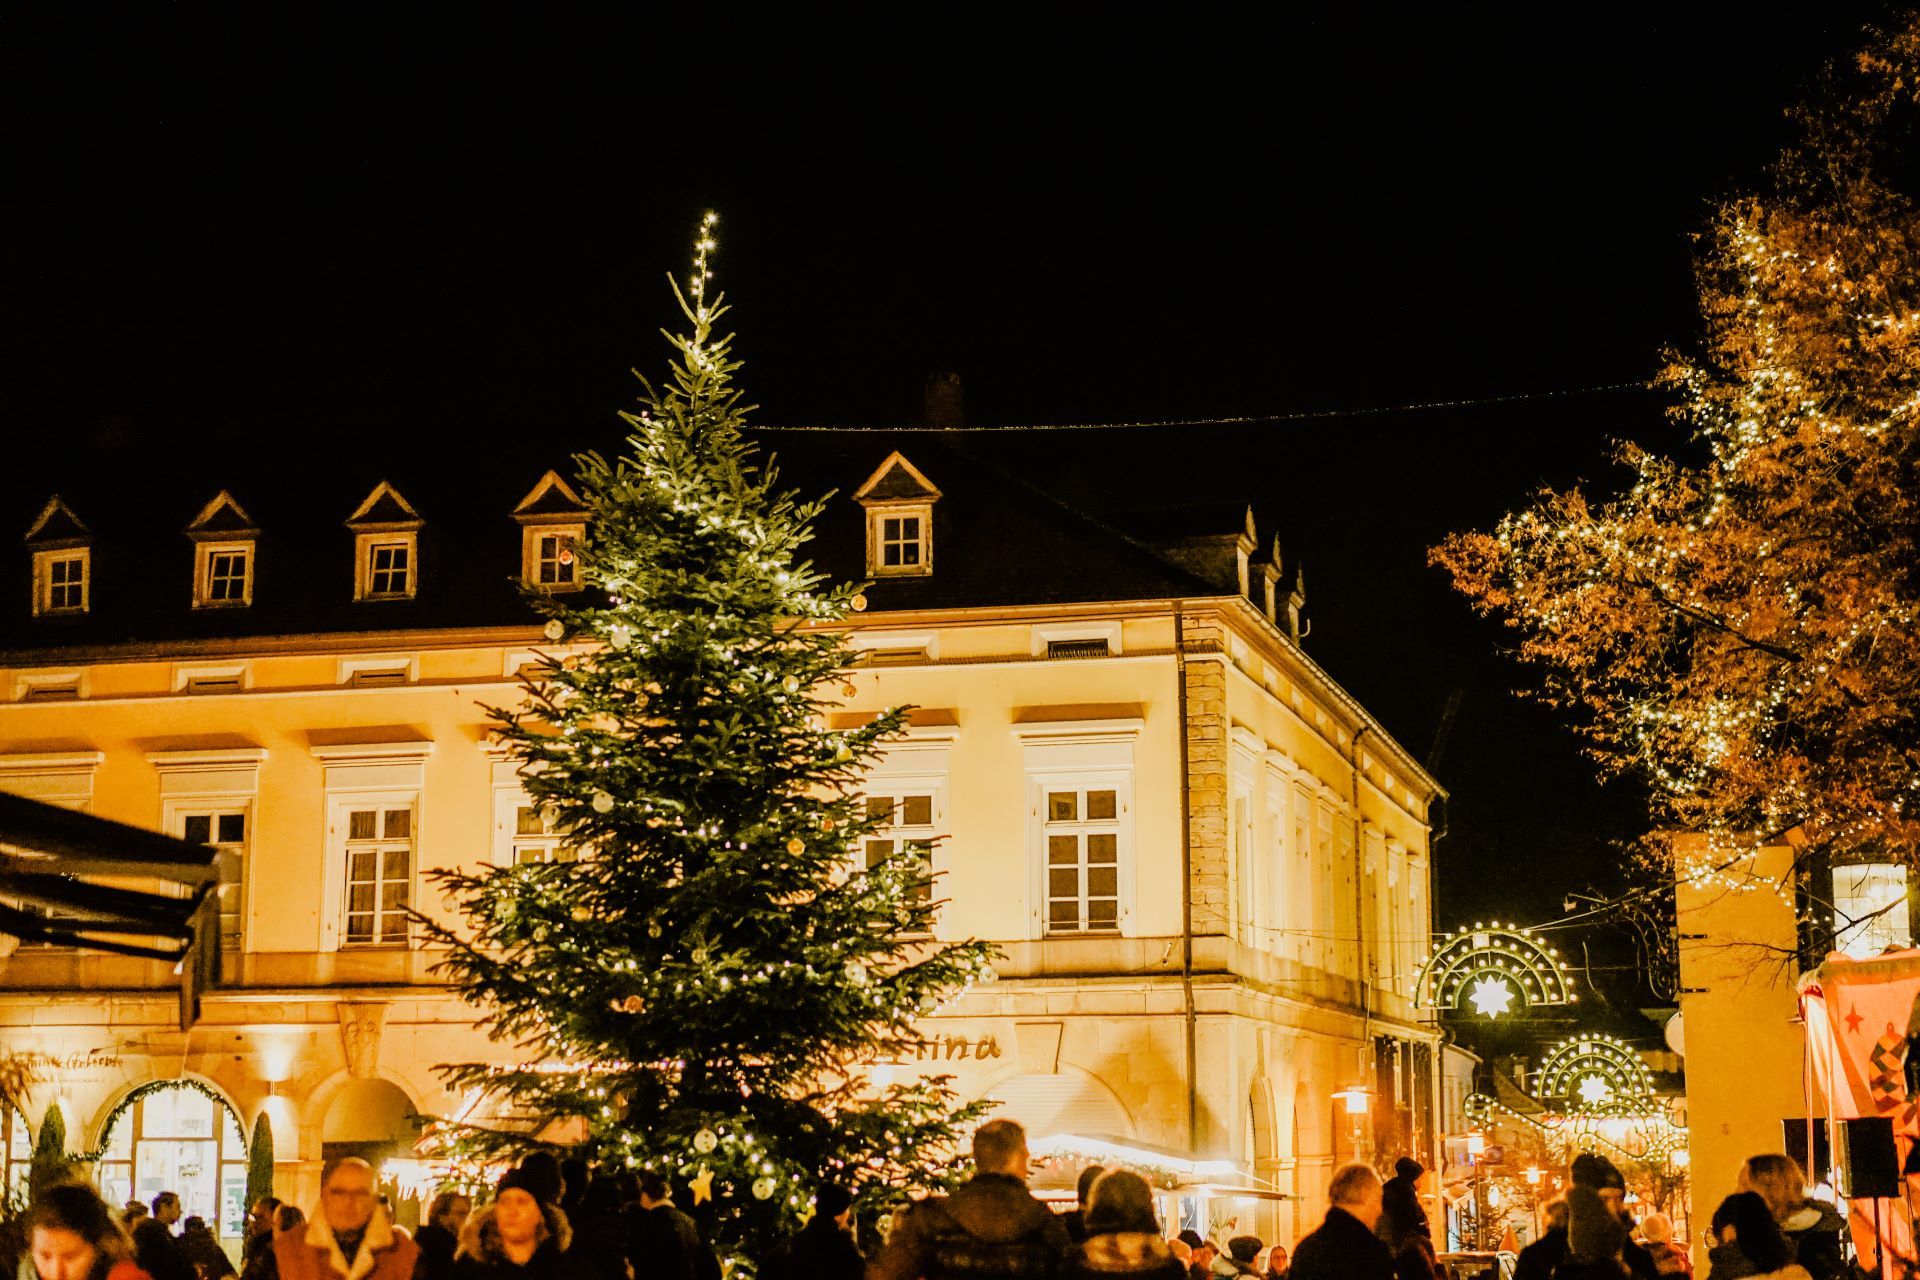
{"points": [[182, 1136], [1067, 1101]]}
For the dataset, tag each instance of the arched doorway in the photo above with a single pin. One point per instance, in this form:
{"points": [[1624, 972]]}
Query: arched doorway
{"points": [[376, 1121], [176, 1135], [1068, 1102]]}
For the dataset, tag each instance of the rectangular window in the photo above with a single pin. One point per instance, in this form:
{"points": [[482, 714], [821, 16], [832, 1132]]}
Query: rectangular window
{"points": [[1870, 908], [389, 569], [535, 838], [378, 844], [907, 822], [1323, 904], [223, 575], [60, 581], [899, 541], [1081, 833], [554, 561], [225, 830]]}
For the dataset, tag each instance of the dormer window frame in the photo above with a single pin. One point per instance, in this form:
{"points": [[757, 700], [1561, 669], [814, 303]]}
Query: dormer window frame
{"points": [[385, 550], [212, 565], [551, 509], [216, 543], [895, 547], [534, 560], [888, 535], [75, 595]]}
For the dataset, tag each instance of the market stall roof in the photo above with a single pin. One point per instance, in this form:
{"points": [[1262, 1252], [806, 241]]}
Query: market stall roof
{"points": [[57, 874]]}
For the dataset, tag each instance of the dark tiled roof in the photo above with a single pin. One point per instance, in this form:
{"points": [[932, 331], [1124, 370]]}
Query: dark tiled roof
{"points": [[999, 540]]}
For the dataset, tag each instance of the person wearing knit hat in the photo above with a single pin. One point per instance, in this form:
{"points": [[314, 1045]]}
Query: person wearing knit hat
{"points": [[517, 1237]]}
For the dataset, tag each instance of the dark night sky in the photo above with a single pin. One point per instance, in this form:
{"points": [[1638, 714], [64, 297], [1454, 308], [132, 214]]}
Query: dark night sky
{"points": [[344, 233]]}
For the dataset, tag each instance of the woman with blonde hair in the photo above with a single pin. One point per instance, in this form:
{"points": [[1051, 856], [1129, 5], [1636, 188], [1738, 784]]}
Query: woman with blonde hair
{"points": [[1123, 1234], [1812, 1228]]}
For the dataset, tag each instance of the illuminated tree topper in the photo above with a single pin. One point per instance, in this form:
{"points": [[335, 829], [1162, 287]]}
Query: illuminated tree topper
{"points": [[1491, 967]]}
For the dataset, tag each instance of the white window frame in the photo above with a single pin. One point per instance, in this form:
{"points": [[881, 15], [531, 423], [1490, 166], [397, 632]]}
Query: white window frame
{"points": [[339, 807], [381, 774], [43, 562], [175, 813], [920, 765], [222, 780], [507, 837], [877, 541], [364, 545], [530, 558], [1324, 912], [1120, 782], [203, 555], [63, 778], [933, 834]]}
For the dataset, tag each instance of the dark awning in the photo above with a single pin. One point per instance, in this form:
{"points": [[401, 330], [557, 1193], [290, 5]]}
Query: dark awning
{"points": [[52, 861]]}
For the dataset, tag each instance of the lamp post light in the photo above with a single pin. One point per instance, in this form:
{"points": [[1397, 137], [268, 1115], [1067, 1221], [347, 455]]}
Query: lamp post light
{"points": [[1476, 1147], [1358, 1100], [1533, 1175]]}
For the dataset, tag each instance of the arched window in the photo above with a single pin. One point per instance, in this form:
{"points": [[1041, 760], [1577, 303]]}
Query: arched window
{"points": [[181, 1138], [16, 1151]]}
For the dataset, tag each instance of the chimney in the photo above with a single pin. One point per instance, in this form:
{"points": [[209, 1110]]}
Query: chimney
{"points": [[1296, 601], [945, 402], [1270, 583]]}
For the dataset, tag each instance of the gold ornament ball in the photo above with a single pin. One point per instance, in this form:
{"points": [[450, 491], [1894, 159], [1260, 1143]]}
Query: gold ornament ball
{"points": [[555, 629], [705, 1141], [620, 635], [763, 1188], [791, 684], [633, 1004], [796, 845], [602, 802], [581, 913], [860, 604]]}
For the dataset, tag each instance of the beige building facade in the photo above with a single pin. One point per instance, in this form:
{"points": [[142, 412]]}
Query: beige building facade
{"points": [[1207, 865]]}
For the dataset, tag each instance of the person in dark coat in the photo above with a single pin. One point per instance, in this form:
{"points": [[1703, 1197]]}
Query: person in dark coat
{"points": [[990, 1227], [439, 1238], [1076, 1217], [517, 1237], [1812, 1228], [1748, 1242], [1596, 1239], [824, 1248], [664, 1242], [1402, 1212], [1123, 1235], [1537, 1260], [202, 1252], [600, 1230], [154, 1245], [1344, 1247]]}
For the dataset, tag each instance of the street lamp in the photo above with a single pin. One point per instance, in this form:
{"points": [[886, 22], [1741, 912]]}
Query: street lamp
{"points": [[1357, 1099], [1476, 1147], [1533, 1175]]}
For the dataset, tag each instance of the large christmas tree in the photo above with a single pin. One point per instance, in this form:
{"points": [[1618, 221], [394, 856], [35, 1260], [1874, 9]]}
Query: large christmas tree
{"points": [[701, 979]]}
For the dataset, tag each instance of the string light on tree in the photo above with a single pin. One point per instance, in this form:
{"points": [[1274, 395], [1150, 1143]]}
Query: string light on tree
{"points": [[717, 945]]}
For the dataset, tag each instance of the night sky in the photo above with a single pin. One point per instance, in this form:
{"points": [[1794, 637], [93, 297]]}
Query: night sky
{"points": [[352, 233]]}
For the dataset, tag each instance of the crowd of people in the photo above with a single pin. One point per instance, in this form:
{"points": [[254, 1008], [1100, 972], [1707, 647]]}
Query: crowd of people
{"points": [[1770, 1229], [550, 1220]]}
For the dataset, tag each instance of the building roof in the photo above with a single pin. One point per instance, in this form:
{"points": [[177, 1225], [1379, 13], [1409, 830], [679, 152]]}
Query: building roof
{"points": [[1002, 541]]}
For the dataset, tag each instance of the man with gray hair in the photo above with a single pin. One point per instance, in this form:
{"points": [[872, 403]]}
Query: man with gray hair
{"points": [[1344, 1247], [990, 1227]]}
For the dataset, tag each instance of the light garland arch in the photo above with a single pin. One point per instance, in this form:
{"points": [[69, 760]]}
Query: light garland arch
{"points": [[1489, 967], [1596, 1073]]}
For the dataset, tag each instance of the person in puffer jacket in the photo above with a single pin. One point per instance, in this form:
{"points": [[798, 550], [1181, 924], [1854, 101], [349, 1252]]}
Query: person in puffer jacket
{"points": [[516, 1238], [1123, 1236], [1812, 1228], [989, 1229]]}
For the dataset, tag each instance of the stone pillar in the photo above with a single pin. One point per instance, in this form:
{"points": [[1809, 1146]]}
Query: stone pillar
{"points": [[1208, 813]]}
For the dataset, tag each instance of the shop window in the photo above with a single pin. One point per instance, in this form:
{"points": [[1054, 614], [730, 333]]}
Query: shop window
{"points": [[178, 1138]]}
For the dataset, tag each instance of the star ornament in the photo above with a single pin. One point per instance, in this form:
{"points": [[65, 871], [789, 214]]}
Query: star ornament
{"points": [[1491, 997], [702, 1185], [1593, 1091]]}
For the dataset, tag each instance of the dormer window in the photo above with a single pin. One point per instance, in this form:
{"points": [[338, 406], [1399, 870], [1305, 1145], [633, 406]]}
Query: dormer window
{"points": [[60, 580], [223, 537], [62, 562], [386, 546], [899, 505], [553, 525]]}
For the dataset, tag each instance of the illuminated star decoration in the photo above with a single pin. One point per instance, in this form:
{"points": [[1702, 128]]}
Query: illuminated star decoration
{"points": [[1594, 1091], [702, 1184], [1491, 997]]}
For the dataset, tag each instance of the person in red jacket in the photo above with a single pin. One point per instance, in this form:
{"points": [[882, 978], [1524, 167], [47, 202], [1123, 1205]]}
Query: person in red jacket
{"points": [[72, 1235]]}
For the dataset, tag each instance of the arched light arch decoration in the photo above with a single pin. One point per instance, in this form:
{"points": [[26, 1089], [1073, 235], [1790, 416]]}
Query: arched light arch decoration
{"points": [[1596, 1073], [1493, 971]]}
